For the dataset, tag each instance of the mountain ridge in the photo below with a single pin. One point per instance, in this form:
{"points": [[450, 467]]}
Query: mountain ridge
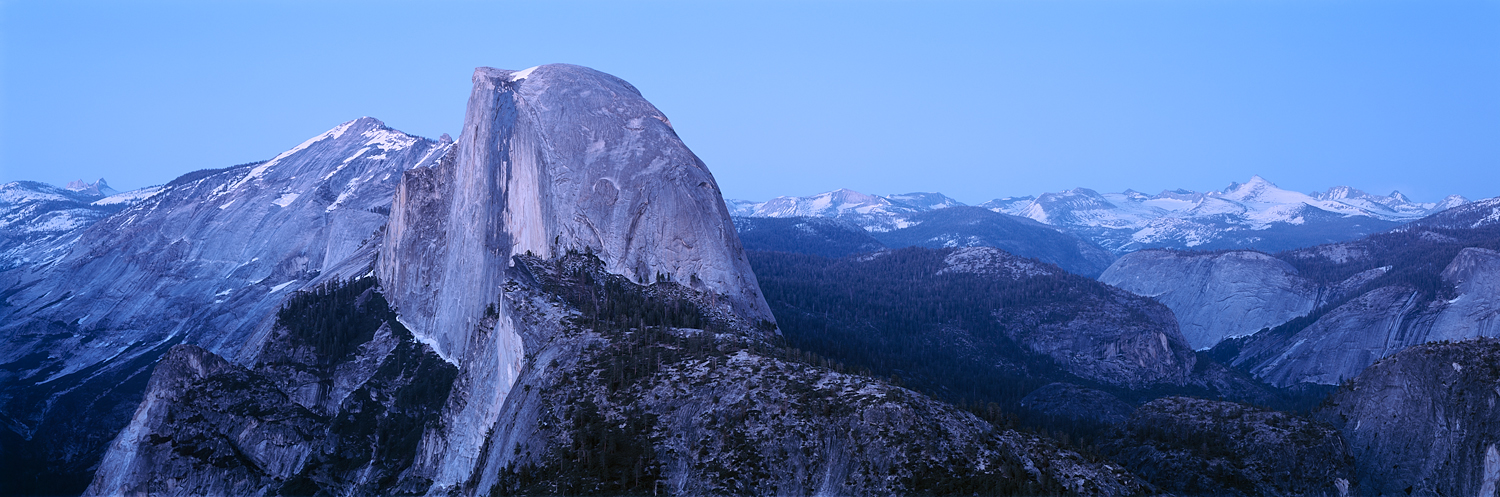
{"points": [[1255, 214]]}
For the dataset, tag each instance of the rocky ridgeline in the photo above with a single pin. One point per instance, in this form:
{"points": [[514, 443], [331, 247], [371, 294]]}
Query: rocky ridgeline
{"points": [[1019, 318]]}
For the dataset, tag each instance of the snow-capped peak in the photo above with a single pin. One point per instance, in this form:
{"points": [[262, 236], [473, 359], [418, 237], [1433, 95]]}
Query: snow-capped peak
{"points": [[1130, 220], [1260, 190]]}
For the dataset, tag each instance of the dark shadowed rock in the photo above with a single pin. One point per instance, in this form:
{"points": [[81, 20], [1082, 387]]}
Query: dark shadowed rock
{"points": [[207, 427], [338, 397], [1203, 447], [935, 312], [805, 235], [979, 227], [1066, 401]]}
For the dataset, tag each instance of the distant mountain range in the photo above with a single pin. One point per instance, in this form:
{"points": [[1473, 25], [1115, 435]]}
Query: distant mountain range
{"points": [[1254, 215], [38, 221]]}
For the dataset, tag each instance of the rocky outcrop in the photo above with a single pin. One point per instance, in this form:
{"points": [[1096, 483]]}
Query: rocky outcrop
{"points": [[98, 188], [207, 427], [1216, 295], [1203, 447], [1109, 339], [1424, 421], [205, 260]]}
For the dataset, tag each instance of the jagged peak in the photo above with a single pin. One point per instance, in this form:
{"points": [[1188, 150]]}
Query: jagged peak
{"points": [[1340, 193], [100, 187]]}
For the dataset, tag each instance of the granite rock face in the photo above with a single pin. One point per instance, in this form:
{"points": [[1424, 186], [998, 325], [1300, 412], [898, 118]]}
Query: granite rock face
{"points": [[1346, 339], [1424, 421], [553, 159], [192, 435], [206, 260], [1216, 295], [1322, 314]]}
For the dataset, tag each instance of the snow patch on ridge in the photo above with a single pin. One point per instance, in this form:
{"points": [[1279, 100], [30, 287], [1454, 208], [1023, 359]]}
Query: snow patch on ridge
{"points": [[286, 199], [260, 170], [129, 197], [424, 339], [522, 74]]}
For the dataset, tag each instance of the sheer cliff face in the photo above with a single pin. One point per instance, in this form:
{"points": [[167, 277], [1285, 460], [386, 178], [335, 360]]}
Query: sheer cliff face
{"points": [[1216, 295], [552, 159], [1444, 440]]}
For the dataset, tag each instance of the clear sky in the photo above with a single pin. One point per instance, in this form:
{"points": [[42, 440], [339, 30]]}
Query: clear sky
{"points": [[974, 99]]}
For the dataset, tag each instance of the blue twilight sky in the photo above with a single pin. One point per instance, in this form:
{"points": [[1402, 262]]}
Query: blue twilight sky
{"points": [[974, 99]]}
